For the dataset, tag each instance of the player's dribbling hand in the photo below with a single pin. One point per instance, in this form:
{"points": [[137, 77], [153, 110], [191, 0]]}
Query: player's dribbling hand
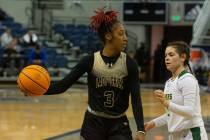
{"points": [[159, 94], [149, 125], [140, 136]]}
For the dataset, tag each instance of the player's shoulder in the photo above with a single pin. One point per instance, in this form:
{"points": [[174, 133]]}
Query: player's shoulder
{"points": [[131, 63], [87, 59], [187, 80], [88, 56], [186, 76], [96, 53]]}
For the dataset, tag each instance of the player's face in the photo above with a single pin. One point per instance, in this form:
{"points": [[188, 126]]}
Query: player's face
{"points": [[173, 60], [119, 38]]}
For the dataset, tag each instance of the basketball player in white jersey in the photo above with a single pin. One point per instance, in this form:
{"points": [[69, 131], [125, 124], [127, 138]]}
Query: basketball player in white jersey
{"points": [[180, 98]]}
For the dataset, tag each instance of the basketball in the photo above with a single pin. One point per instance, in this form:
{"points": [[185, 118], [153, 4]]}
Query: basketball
{"points": [[34, 80]]}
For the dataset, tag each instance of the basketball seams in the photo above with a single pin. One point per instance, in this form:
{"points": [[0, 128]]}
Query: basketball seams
{"points": [[30, 83], [41, 73], [24, 88], [33, 81]]}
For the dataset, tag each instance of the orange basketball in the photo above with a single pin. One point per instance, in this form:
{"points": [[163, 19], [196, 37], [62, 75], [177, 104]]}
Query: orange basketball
{"points": [[34, 80]]}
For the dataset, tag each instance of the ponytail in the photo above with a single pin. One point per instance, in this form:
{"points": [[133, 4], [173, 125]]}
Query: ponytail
{"points": [[103, 21]]}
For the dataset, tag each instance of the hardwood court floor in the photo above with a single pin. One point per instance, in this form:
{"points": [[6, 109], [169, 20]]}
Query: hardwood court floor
{"points": [[37, 118]]}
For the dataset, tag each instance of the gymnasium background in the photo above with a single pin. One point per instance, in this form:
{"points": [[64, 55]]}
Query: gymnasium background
{"points": [[62, 28]]}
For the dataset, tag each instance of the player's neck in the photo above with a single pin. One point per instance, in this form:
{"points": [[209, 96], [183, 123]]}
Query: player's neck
{"points": [[177, 72], [109, 51]]}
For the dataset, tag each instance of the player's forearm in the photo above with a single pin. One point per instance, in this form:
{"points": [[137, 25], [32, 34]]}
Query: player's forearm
{"points": [[139, 118], [64, 84], [160, 121], [56, 88], [70, 79], [182, 110], [138, 113]]}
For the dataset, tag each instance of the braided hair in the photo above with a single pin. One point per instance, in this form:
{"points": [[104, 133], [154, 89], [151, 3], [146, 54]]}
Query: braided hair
{"points": [[102, 22], [182, 48]]}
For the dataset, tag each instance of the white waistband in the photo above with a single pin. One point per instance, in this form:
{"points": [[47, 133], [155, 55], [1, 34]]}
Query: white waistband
{"points": [[104, 115]]}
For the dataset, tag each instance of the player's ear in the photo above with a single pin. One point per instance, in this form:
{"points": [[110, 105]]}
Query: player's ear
{"points": [[183, 57], [108, 36]]}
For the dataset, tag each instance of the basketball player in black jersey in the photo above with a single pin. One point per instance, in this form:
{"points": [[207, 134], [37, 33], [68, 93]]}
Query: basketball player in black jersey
{"points": [[112, 77]]}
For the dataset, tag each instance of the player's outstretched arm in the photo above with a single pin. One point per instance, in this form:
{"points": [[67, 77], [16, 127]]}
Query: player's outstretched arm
{"points": [[85, 65]]}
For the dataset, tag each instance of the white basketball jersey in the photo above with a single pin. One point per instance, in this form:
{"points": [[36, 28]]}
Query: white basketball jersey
{"points": [[174, 90]]}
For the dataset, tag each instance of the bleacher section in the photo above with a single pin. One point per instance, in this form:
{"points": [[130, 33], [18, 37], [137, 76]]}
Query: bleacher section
{"points": [[80, 35], [62, 54], [17, 29], [66, 45]]}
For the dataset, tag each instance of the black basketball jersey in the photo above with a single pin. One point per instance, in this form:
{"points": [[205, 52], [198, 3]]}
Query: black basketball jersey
{"points": [[108, 91], [110, 82]]}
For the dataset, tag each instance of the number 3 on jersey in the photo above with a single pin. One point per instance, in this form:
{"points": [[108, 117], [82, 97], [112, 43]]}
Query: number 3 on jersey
{"points": [[109, 98]]}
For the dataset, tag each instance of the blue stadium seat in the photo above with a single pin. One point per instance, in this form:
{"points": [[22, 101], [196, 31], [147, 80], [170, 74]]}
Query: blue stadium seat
{"points": [[7, 23], [70, 27], [51, 52], [61, 61], [82, 27], [50, 62], [16, 26], [59, 28], [9, 19], [18, 32]]}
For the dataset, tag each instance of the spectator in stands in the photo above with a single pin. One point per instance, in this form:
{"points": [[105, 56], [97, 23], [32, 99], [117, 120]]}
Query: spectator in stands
{"points": [[30, 39], [37, 55], [11, 62], [6, 38], [13, 45]]}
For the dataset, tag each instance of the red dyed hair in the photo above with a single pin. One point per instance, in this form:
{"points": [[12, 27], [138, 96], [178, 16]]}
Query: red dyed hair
{"points": [[102, 17]]}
